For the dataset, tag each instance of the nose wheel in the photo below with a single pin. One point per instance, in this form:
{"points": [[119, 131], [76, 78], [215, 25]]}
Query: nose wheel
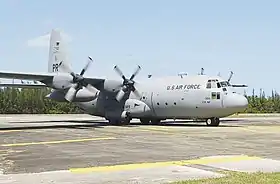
{"points": [[213, 122]]}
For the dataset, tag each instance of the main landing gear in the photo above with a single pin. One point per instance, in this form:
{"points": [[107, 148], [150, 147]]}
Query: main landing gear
{"points": [[213, 122], [118, 122], [147, 121]]}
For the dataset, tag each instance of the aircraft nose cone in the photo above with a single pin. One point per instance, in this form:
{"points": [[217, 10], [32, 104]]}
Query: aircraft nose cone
{"points": [[236, 101]]}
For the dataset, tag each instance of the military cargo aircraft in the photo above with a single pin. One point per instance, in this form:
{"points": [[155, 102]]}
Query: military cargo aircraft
{"points": [[118, 101]]}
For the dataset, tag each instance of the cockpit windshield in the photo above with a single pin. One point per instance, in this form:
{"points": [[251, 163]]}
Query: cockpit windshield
{"points": [[216, 84], [223, 84]]}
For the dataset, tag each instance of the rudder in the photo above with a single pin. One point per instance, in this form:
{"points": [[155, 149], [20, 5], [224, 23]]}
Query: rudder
{"points": [[57, 57]]}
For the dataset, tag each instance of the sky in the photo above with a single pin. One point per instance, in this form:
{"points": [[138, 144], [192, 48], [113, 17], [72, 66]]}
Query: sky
{"points": [[163, 37]]}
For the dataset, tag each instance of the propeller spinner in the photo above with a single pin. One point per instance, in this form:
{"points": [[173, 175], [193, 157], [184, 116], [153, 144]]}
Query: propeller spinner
{"points": [[78, 82], [128, 84]]}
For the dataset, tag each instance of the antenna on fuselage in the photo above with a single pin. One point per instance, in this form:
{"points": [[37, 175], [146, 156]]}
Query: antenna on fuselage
{"points": [[181, 74], [202, 71]]}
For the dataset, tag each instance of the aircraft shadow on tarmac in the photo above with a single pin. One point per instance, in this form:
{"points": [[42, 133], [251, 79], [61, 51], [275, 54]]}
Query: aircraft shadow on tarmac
{"points": [[82, 124]]}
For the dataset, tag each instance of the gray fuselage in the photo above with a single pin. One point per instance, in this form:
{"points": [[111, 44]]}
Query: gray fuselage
{"points": [[173, 97]]}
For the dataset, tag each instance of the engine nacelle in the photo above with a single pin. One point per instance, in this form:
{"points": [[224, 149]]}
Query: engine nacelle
{"points": [[62, 81], [112, 85], [136, 108], [83, 95]]}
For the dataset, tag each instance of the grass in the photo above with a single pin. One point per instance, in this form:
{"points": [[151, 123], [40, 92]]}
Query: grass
{"points": [[255, 115], [239, 178]]}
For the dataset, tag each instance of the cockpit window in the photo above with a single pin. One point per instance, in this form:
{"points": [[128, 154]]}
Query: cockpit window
{"points": [[212, 83], [223, 84], [208, 85]]}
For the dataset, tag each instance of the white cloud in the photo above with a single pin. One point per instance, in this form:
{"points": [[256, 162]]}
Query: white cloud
{"points": [[43, 41]]}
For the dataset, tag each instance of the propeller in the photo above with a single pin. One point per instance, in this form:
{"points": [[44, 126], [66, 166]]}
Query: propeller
{"points": [[236, 85], [230, 76], [128, 84], [78, 82]]}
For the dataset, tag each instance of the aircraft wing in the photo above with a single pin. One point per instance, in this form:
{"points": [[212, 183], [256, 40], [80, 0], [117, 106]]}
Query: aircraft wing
{"points": [[42, 77], [26, 76], [23, 85]]}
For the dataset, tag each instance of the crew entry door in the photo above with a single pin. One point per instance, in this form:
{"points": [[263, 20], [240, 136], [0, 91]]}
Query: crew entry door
{"points": [[216, 96], [216, 99]]}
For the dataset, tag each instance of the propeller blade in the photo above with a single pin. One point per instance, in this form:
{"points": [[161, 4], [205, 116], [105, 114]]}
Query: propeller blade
{"points": [[135, 73], [231, 73], [136, 92], [86, 67], [73, 74], [71, 93], [119, 72], [65, 66], [120, 95]]}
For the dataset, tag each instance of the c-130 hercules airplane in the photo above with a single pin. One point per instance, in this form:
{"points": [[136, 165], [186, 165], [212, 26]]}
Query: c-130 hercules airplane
{"points": [[118, 101]]}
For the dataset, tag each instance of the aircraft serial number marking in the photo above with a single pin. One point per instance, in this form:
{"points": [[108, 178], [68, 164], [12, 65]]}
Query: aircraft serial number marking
{"points": [[204, 101], [55, 67], [182, 87]]}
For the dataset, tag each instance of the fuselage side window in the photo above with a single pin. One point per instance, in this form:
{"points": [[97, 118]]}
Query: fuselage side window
{"points": [[218, 95], [214, 95], [208, 85]]}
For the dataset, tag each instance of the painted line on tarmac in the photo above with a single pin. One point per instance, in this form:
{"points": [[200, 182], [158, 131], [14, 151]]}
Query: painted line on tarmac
{"points": [[10, 131], [158, 130], [58, 142], [206, 160]]}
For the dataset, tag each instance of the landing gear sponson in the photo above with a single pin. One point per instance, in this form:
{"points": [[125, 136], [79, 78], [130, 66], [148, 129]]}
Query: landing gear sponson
{"points": [[209, 122], [148, 121]]}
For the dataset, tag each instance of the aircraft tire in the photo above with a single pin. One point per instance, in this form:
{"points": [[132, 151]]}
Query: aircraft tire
{"points": [[155, 122], [126, 121], [214, 122], [145, 121], [113, 121]]}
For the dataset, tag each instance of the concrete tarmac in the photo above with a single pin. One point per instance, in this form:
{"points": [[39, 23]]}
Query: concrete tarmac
{"points": [[82, 149]]}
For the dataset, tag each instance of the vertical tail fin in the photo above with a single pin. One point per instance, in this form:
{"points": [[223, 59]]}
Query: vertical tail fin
{"points": [[57, 56]]}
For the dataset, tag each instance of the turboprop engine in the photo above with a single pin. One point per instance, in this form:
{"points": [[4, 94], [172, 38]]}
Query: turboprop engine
{"points": [[73, 87], [83, 95], [135, 109]]}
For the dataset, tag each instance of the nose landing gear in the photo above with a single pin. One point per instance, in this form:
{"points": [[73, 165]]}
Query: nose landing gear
{"points": [[213, 122]]}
